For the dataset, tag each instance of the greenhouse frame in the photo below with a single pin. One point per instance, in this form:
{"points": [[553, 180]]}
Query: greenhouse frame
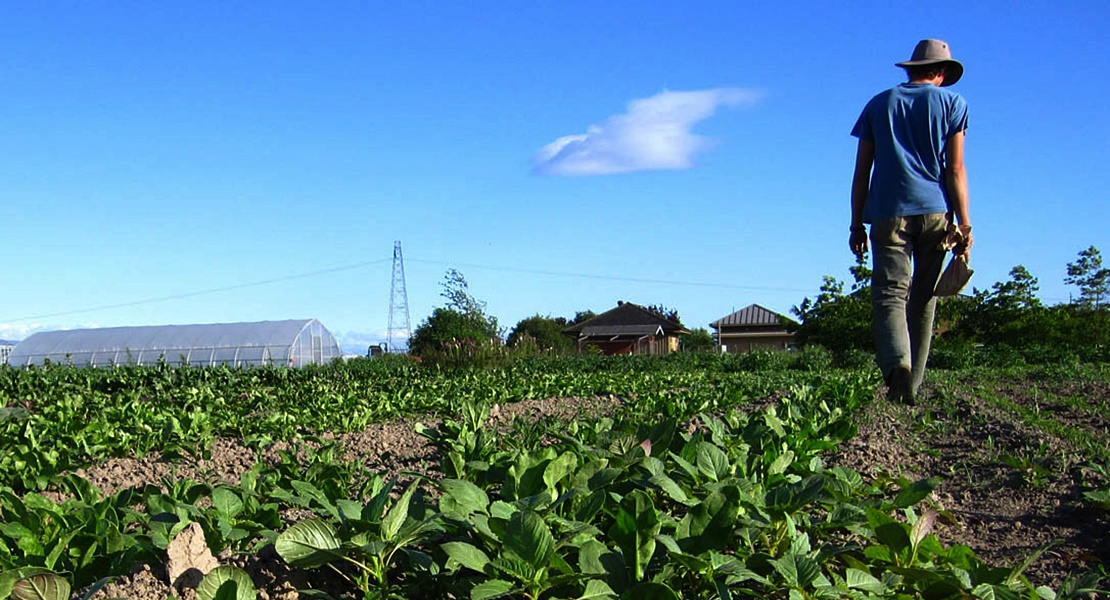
{"points": [[292, 343]]}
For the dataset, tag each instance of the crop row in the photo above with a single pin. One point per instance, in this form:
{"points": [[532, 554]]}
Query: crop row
{"points": [[648, 503], [57, 419]]}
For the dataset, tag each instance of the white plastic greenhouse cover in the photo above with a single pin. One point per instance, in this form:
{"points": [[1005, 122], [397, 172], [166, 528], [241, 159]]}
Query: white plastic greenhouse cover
{"points": [[293, 343]]}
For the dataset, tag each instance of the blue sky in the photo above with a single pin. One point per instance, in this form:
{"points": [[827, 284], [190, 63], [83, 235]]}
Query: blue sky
{"points": [[173, 162]]}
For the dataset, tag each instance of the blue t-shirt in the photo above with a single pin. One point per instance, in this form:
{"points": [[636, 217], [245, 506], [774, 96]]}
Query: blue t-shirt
{"points": [[909, 125]]}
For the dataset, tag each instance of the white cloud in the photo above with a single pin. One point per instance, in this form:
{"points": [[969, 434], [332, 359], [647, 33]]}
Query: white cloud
{"points": [[654, 134], [17, 331]]}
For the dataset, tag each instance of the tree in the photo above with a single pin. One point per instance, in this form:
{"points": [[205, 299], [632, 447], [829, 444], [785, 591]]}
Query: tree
{"points": [[1019, 293], [670, 314], [580, 316], [1088, 274], [545, 332], [464, 318], [698, 340], [457, 292], [1008, 313], [837, 320]]}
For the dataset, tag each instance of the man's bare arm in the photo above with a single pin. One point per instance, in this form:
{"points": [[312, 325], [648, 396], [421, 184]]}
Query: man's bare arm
{"points": [[861, 182], [955, 179]]}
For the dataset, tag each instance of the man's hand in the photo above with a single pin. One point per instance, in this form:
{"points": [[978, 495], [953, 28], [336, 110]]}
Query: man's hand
{"points": [[858, 242], [963, 246], [959, 240]]}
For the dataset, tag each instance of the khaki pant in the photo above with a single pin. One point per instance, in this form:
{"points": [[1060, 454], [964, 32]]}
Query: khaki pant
{"points": [[907, 262]]}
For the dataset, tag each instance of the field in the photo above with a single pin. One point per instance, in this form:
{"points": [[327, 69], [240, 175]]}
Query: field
{"points": [[693, 477]]}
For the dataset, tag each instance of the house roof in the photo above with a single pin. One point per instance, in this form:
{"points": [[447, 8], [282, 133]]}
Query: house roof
{"points": [[750, 316], [626, 314], [620, 330]]}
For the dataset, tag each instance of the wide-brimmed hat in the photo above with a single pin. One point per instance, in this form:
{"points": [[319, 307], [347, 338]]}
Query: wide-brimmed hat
{"points": [[931, 52]]}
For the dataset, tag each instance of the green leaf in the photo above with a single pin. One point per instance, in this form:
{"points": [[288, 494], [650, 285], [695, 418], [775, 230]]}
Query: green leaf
{"points": [[634, 530], [650, 591], [62, 544], [13, 413], [462, 498], [43, 586], [597, 589], [526, 477], [862, 580], [781, 463], [790, 498], [227, 502], [712, 462], [397, 514], [309, 544], [490, 589], [590, 506], [516, 567], [226, 582], [893, 536], [26, 540], [589, 557], [709, 525], [529, 538], [798, 570], [375, 506], [466, 555], [604, 477], [595, 558], [9, 578], [916, 492], [670, 488], [308, 490], [559, 469], [986, 591], [349, 510], [1101, 498]]}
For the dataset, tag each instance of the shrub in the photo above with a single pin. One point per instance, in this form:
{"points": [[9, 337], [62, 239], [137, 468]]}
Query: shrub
{"points": [[854, 359], [760, 360], [999, 355], [812, 358], [1050, 355], [952, 357]]}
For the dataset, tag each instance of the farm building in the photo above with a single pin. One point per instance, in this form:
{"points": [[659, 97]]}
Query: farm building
{"points": [[293, 343], [752, 328], [5, 349], [628, 329]]}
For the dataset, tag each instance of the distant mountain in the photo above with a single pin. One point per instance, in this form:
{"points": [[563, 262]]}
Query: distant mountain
{"points": [[8, 342]]}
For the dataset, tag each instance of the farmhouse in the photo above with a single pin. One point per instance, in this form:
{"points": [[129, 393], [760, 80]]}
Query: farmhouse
{"points": [[752, 328], [628, 329], [293, 343]]}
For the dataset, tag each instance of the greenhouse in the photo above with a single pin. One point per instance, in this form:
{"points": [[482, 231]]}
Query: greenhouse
{"points": [[293, 343]]}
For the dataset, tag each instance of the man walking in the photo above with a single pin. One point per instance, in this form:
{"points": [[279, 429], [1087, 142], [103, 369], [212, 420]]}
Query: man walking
{"points": [[909, 182]]}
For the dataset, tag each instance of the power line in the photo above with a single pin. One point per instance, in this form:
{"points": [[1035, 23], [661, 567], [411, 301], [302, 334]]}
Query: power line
{"points": [[204, 292], [613, 278], [262, 282]]}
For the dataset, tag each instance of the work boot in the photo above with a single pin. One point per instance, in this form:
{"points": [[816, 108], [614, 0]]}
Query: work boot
{"points": [[900, 386]]}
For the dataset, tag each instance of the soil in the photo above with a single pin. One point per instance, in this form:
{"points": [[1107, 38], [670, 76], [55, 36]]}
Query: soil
{"points": [[1005, 513]]}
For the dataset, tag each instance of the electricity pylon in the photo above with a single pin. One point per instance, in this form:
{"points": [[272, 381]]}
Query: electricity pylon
{"points": [[397, 336]]}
